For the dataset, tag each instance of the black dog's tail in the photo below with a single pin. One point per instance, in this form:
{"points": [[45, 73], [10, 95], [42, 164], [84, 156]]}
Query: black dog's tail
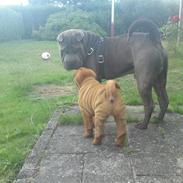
{"points": [[148, 26]]}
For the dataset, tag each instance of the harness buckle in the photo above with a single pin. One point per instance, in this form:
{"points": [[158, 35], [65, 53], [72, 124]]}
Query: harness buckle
{"points": [[90, 51]]}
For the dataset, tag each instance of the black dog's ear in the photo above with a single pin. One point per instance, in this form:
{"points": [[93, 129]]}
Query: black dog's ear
{"points": [[60, 38], [80, 36]]}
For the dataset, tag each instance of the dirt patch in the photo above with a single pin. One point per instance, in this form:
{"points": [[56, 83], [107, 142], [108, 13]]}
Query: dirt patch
{"points": [[51, 90]]}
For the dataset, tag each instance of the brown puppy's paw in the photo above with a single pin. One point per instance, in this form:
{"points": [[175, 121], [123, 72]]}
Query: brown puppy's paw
{"points": [[119, 142], [141, 126], [97, 141], [118, 145], [88, 134]]}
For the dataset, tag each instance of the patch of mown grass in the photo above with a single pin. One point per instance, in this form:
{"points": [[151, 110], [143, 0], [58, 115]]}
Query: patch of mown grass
{"points": [[132, 119], [129, 90], [175, 81], [74, 119]]}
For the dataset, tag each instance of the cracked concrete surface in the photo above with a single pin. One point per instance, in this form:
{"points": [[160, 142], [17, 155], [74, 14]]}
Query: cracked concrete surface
{"points": [[61, 155]]}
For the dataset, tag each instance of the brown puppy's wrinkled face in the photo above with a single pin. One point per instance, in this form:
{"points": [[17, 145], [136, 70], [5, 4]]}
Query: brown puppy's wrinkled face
{"points": [[71, 48], [81, 74]]}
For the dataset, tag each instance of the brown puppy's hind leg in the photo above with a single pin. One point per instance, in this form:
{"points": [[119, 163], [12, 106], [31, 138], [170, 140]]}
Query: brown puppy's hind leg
{"points": [[99, 130], [88, 125], [120, 128]]}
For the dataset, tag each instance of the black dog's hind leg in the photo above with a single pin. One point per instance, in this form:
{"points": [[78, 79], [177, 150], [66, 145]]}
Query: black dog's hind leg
{"points": [[145, 91], [160, 89]]}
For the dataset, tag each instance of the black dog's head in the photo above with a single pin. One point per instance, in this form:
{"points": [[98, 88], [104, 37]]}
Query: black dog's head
{"points": [[75, 45], [72, 49]]}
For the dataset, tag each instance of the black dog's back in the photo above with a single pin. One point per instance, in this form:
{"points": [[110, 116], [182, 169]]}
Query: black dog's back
{"points": [[149, 27]]}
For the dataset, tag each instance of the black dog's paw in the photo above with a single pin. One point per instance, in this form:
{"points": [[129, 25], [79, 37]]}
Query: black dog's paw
{"points": [[141, 126]]}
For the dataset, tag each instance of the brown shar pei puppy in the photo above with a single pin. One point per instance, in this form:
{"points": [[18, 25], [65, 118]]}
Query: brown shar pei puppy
{"points": [[97, 102]]}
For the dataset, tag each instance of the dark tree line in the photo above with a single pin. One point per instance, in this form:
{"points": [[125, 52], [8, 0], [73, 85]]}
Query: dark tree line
{"points": [[39, 17], [126, 11]]}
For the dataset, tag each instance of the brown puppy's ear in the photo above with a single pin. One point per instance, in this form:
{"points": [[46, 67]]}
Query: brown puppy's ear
{"points": [[90, 73], [83, 73], [117, 85]]}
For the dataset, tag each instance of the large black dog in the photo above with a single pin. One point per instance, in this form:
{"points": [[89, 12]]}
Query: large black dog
{"points": [[111, 57]]}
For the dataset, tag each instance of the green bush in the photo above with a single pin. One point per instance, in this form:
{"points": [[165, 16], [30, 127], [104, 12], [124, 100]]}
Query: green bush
{"points": [[67, 19], [11, 25], [170, 32]]}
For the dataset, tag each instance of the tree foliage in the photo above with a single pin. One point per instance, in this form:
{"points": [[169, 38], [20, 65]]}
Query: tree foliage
{"points": [[11, 25], [37, 17], [68, 18]]}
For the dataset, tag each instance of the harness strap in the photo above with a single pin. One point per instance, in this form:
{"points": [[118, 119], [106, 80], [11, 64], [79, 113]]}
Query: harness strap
{"points": [[98, 48], [100, 58]]}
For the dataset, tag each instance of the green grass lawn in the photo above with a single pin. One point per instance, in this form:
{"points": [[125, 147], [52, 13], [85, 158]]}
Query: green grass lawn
{"points": [[23, 114]]}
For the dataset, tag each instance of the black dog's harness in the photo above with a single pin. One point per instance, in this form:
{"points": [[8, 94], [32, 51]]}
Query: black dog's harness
{"points": [[99, 54], [100, 58]]}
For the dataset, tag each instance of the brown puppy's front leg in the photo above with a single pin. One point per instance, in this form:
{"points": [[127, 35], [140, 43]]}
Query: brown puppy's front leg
{"points": [[88, 125]]}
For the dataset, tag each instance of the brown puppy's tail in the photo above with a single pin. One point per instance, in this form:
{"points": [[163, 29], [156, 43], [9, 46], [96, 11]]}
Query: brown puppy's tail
{"points": [[112, 90]]}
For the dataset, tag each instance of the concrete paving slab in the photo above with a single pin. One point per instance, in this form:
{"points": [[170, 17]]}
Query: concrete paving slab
{"points": [[149, 140], [62, 155], [154, 164], [106, 167], [65, 168], [71, 144], [64, 131], [161, 179]]}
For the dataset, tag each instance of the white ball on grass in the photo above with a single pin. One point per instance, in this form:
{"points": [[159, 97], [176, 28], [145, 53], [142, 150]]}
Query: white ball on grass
{"points": [[45, 55]]}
